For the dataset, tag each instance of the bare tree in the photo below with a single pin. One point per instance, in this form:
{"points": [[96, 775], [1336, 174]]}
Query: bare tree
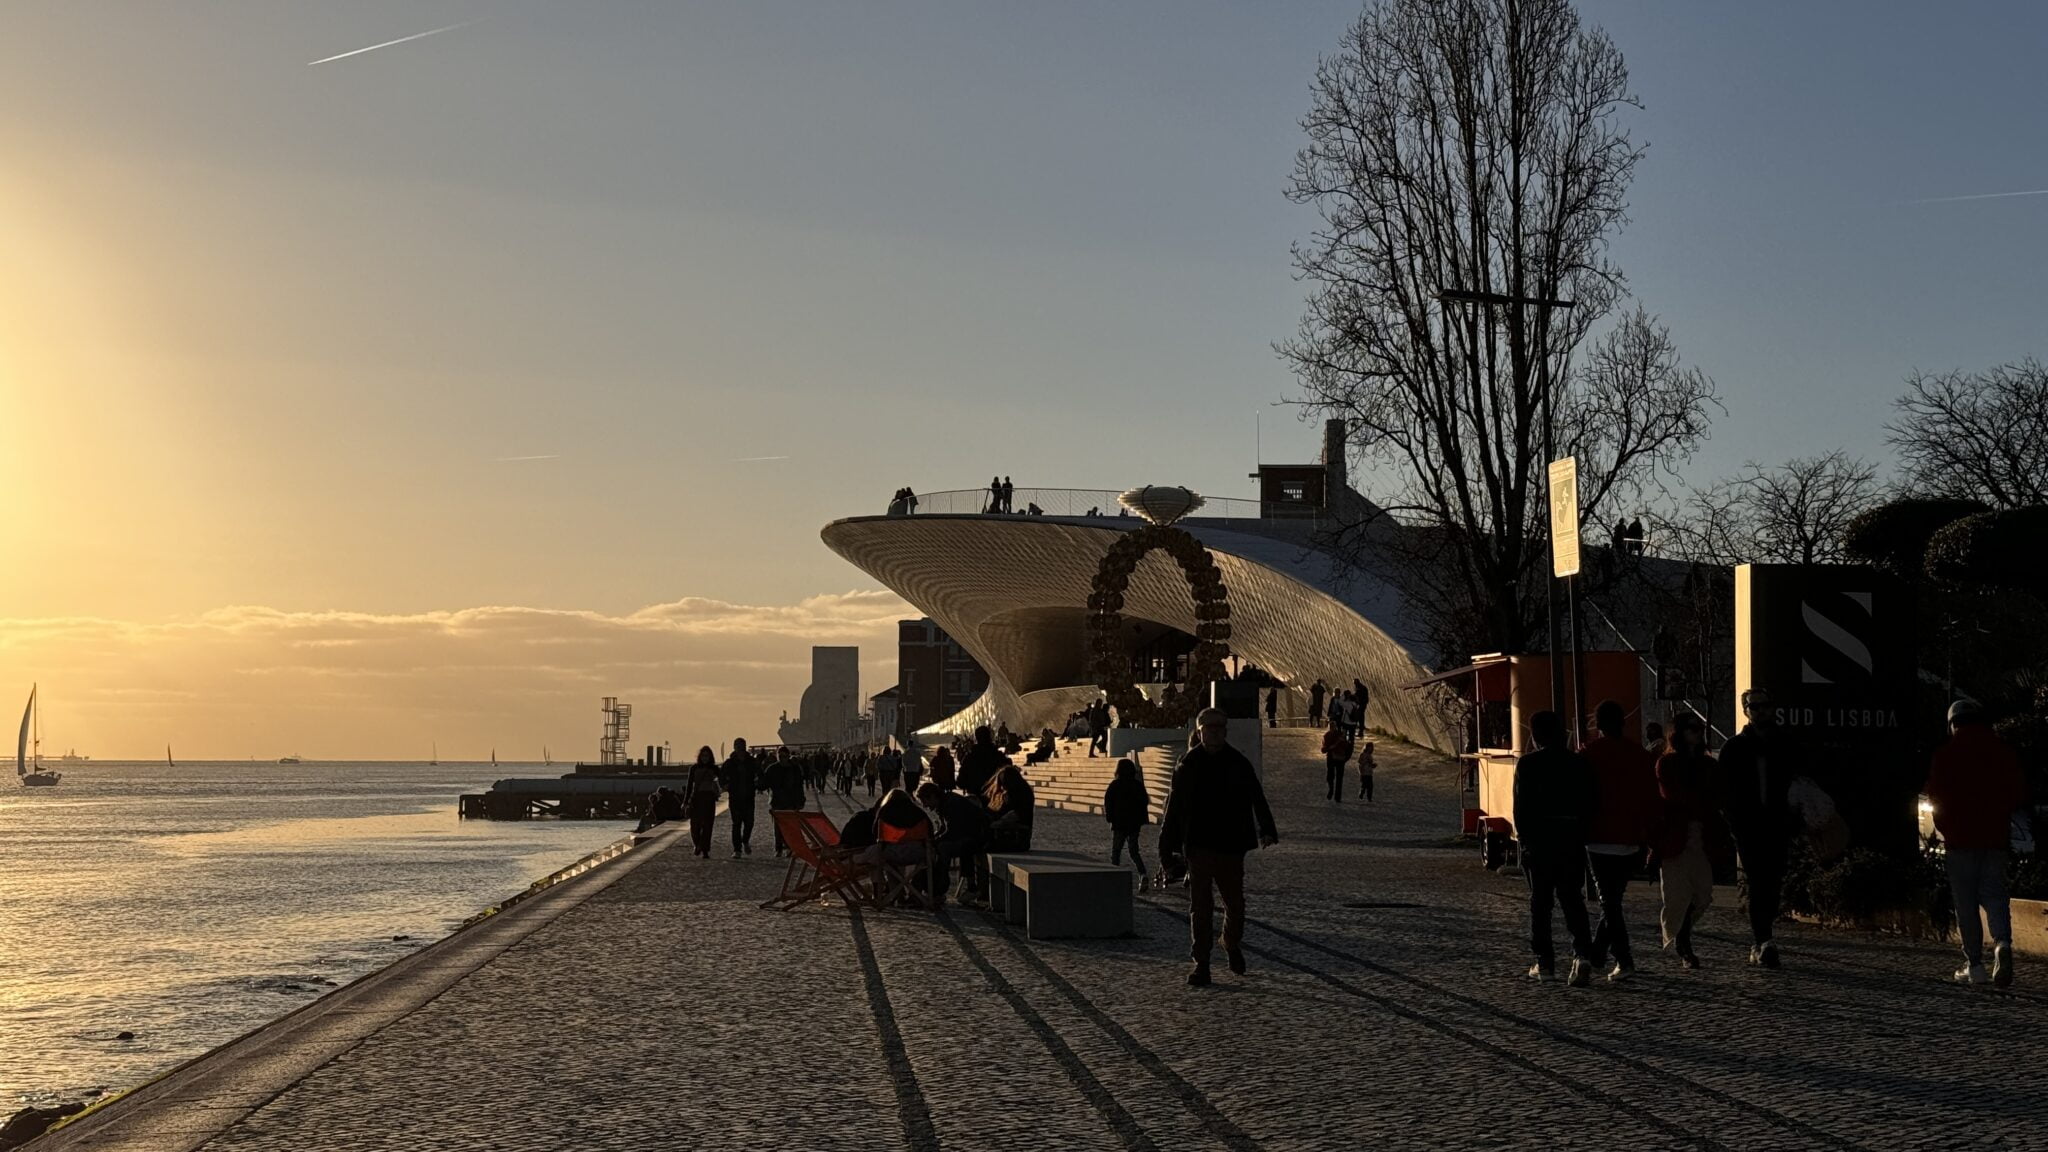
{"points": [[1980, 436], [1474, 145], [1798, 512]]}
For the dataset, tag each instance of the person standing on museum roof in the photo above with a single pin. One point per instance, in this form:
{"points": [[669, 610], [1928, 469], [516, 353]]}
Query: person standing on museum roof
{"points": [[1555, 797], [1216, 812], [1623, 823], [1009, 495], [701, 798], [1975, 783], [1757, 766]]}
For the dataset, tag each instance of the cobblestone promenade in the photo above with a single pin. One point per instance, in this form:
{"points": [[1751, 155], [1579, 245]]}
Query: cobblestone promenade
{"points": [[1384, 1008]]}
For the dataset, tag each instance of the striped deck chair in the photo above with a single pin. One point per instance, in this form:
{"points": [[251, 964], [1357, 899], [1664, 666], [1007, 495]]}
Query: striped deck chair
{"points": [[818, 866]]}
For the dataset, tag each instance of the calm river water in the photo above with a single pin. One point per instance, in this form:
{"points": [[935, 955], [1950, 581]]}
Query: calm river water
{"points": [[190, 905]]}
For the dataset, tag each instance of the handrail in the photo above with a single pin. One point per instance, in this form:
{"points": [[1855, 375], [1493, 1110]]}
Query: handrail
{"points": [[1082, 502]]}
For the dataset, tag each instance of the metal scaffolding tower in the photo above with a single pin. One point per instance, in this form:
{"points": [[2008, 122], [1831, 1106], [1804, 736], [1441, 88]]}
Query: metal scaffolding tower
{"points": [[618, 728]]}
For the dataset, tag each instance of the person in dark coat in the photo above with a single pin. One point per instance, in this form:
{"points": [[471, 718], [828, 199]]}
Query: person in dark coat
{"points": [[1556, 795], [1316, 692], [1624, 823], [1361, 697], [1336, 752], [1216, 812], [702, 799], [1272, 707], [1756, 770], [962, 836], [741, 777], [981, 763], [1128, 808], [786, 780]]}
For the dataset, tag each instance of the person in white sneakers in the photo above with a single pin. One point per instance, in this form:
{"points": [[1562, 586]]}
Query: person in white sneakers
{"points": [[1975, 783], [1556, 795]]}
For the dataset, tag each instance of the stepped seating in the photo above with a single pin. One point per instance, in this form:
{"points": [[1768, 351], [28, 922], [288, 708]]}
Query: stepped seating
{"points": [[1074, 783]]}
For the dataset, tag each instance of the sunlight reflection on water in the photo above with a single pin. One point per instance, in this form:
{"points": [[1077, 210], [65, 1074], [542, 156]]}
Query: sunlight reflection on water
{"points": [[190, 905]]}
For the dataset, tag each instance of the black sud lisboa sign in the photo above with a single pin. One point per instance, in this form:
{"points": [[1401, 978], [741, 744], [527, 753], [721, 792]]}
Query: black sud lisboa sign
{"points": [[1833, 643]]}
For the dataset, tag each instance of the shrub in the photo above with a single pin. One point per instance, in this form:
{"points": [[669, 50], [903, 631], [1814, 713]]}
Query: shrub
{"points": [[1894, 537], [1867, 889], [2001, 549]]}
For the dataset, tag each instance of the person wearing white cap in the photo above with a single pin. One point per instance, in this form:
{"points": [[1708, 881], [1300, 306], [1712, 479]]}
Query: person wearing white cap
{"points": [[1975, 783]]}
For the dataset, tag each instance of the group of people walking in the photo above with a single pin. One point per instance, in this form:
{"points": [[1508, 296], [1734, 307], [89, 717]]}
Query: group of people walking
{"points": [[1346, 707], [1614, 805], [740, 779]]}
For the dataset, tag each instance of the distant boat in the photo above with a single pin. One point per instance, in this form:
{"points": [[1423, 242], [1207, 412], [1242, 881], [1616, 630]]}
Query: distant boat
{"points": [[72, 757], [288, 759], [435, 757], [28, 750], [168, 758], [547, 758], [494, 757]]}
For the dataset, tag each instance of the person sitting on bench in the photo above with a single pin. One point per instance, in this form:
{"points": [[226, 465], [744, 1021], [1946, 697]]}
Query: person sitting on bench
{"points": [[1011, 805]]}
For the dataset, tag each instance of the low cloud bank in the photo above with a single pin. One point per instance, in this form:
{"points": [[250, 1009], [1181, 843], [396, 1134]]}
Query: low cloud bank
{"points": [[257, 681]]}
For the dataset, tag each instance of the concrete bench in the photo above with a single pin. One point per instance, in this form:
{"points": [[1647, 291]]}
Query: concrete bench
{"points": [[1056, 898], [1000, 890]]}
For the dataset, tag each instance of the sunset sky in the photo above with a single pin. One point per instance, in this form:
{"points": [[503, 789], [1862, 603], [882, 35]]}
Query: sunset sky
{"points": [[421, 395]]}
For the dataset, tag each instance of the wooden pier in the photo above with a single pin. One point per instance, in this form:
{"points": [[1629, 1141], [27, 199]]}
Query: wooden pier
{"points": [[565, 798]]}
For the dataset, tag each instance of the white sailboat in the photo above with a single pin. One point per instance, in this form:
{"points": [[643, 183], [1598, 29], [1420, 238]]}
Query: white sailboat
{"points": [[547, 758], [28, 750], [494, 757]]}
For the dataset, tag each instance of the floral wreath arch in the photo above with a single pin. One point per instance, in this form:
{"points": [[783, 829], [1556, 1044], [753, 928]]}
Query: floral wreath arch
{"points": [[1109, 661]]}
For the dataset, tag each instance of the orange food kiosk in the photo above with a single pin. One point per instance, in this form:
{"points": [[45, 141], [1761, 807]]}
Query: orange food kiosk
{"points": [[1503, 692]]}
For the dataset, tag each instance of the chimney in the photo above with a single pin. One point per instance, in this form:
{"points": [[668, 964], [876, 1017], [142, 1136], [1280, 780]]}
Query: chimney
{"points": [[1336, 479]]}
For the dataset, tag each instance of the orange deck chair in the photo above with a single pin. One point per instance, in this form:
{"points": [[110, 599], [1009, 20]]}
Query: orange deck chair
{"points": [[817, 864]]}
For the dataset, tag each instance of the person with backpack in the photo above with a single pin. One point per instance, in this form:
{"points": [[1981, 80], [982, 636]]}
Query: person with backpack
{"points": [[1336, 752], [1128, 808], [1689, 833], [1756, 770]]}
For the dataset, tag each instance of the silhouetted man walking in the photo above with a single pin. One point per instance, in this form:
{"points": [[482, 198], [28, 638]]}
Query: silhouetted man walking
{"points": [[1757, 765], [741, 778], [1554, 799], [1216, 812]]}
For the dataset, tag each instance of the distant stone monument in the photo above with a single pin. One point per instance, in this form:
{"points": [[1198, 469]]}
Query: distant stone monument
{"points": [[830, 705]]}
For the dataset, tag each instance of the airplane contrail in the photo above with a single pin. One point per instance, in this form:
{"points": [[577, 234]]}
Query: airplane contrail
{"points": [[757, 459], [516, 459], [389, 43], [1981, 196]]}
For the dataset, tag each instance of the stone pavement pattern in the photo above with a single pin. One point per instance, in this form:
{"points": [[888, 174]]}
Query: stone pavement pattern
{"points": [[1384, 1008]]}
